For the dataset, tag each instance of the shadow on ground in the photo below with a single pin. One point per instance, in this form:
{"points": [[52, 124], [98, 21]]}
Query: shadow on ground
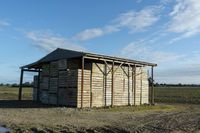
{"points": [[23, 104]]}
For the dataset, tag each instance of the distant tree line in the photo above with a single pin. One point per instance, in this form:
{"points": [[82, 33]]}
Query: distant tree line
{"points": [[174, 85], [26, 84]]}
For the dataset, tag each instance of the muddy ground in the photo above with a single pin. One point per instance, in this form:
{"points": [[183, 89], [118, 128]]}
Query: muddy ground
{"points": [[29, 117]]}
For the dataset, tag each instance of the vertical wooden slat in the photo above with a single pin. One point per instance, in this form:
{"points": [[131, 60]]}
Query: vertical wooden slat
{"points": [[132, 80], [82, 80], [38, 87], [128, 84], [20, 85], [152, 87], [105, 84], [112, 89], [135, 85], [141, 86], [91, 86]]}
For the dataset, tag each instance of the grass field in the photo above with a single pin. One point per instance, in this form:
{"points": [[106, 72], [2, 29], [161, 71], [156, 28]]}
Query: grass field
{"points": [[11, 93], [177, 94], [28, 116], [162, 94]]}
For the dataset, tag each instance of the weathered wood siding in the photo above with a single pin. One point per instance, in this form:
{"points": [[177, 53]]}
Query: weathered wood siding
{"points": [[60, 83], [98, 85], [87, 86]]}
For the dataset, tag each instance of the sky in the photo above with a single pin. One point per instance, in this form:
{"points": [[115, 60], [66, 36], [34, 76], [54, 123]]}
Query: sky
{"points": [[165, 32]]}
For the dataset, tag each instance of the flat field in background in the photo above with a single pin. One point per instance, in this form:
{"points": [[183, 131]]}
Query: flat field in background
{"points": [[11, 93], [162, 94], [177, 94]]}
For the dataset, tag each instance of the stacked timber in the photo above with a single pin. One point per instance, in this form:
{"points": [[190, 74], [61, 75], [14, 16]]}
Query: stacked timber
{"points": [[145, 87], [35, 86], [86, 90], [54, 69], [62, 82], [53, 85], [44, 84], [44, 96], [68, 95], [97, 89], [62, 64]]}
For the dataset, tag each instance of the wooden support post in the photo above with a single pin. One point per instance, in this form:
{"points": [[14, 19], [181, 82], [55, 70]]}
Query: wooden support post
{"points": [[38, 87], [141, 87], [105, 84], [135, 85], [21, 84], [91, 97], [82, 80], [112, 89], [152, 87], [129, 85]]}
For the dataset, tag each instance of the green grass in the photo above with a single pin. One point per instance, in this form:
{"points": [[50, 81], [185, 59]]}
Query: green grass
{"points": [[162, 94], [177, 94], [11, 93]]}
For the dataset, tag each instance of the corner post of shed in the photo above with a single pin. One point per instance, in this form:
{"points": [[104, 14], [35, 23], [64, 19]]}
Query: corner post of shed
{"points": [[38, 87], [82, 79], [152, 85], [112, 89], [21, 84]]}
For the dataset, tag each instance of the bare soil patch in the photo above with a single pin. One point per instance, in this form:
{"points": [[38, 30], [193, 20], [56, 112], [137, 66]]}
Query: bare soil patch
{"points": [[44, 119]]}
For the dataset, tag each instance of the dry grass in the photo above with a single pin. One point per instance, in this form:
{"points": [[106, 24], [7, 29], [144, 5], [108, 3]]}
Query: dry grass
{"points": [[28, 117], [11, 93], [122, 119], [177, 94]]}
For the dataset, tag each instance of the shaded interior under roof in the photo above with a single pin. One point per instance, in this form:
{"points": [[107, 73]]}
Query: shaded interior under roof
{"points": [[68, 54]]}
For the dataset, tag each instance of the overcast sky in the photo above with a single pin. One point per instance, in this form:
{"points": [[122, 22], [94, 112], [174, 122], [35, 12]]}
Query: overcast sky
{"points": [[166, 32]]}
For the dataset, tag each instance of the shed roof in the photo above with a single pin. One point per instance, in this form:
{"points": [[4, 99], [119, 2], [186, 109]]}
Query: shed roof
{"points": [[68, 54]]}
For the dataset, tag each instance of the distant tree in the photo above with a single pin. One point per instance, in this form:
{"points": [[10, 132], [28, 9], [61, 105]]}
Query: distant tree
{"points": [[14, 85], [150, 81]]}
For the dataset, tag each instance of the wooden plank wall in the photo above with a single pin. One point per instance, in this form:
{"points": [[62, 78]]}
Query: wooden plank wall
{"points": [[97, 90], [87, 86], [61, 85], [58, 83]]}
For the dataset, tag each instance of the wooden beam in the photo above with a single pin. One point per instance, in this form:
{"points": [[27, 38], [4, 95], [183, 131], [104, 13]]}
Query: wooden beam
{"points": [[109, 60], [82, 80], [112, 89], [100, 69], [129, 86], [21, 84], [141, 86], [107, 65], [124, 71], [91, 97], [105, 84], [152, 87], [118, 67], [38, 87], [30, 70], [135, 85]]}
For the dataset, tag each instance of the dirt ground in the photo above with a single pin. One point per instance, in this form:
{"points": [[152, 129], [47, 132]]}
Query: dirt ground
{"points": [[28, 117]]}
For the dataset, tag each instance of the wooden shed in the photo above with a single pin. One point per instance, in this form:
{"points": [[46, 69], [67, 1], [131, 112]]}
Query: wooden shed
{"points": [[81, 79]]}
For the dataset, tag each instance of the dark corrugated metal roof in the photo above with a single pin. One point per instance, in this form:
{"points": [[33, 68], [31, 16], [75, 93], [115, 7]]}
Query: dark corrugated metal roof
{"points": [[67, 54]]}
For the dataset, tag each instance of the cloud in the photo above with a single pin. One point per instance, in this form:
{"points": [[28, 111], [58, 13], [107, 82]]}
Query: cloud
{"points": [[49, 42], [133, 20], [187, 73], [4, 23], [137, 21], [141, 51], [185, 18], [89, 34]]}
